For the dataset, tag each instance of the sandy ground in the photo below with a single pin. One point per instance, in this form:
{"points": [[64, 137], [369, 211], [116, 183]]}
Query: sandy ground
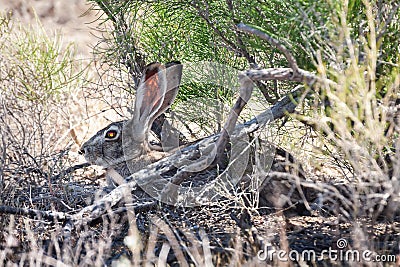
{"points": [[67, 17]]}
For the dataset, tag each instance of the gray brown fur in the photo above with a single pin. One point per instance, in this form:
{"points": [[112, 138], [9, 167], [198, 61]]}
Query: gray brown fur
{"points": [[123, 146]]}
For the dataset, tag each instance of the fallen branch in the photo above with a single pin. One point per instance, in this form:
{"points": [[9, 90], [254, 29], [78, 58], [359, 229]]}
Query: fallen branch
{"points": [[63, 216], [32, 213]]}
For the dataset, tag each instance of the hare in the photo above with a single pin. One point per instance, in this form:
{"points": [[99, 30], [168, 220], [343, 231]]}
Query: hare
{"points": [[123, 147]]}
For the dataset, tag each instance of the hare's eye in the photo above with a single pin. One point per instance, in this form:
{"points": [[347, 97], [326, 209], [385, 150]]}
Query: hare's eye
{"points": [[111, 134]]}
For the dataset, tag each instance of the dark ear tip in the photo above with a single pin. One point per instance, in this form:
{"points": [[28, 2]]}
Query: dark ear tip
{"points": [[152, 69], [153, 65], [172, 63]]}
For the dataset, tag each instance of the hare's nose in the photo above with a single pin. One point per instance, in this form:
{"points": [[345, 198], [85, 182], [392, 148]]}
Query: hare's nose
{"points": [[81, 151]]}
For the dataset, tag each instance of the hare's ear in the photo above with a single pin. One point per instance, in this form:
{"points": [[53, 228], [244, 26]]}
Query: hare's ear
{"points": [[149, 98], [174, 76]]}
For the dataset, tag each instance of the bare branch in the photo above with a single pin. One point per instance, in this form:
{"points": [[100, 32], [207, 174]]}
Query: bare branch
{"points": [[246, 89], [287, 74], [32, 213], [288, 55]]}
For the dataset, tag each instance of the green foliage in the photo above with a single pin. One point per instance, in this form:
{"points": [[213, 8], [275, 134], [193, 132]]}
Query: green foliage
{"points": [[34, 67], [193, 31]]}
